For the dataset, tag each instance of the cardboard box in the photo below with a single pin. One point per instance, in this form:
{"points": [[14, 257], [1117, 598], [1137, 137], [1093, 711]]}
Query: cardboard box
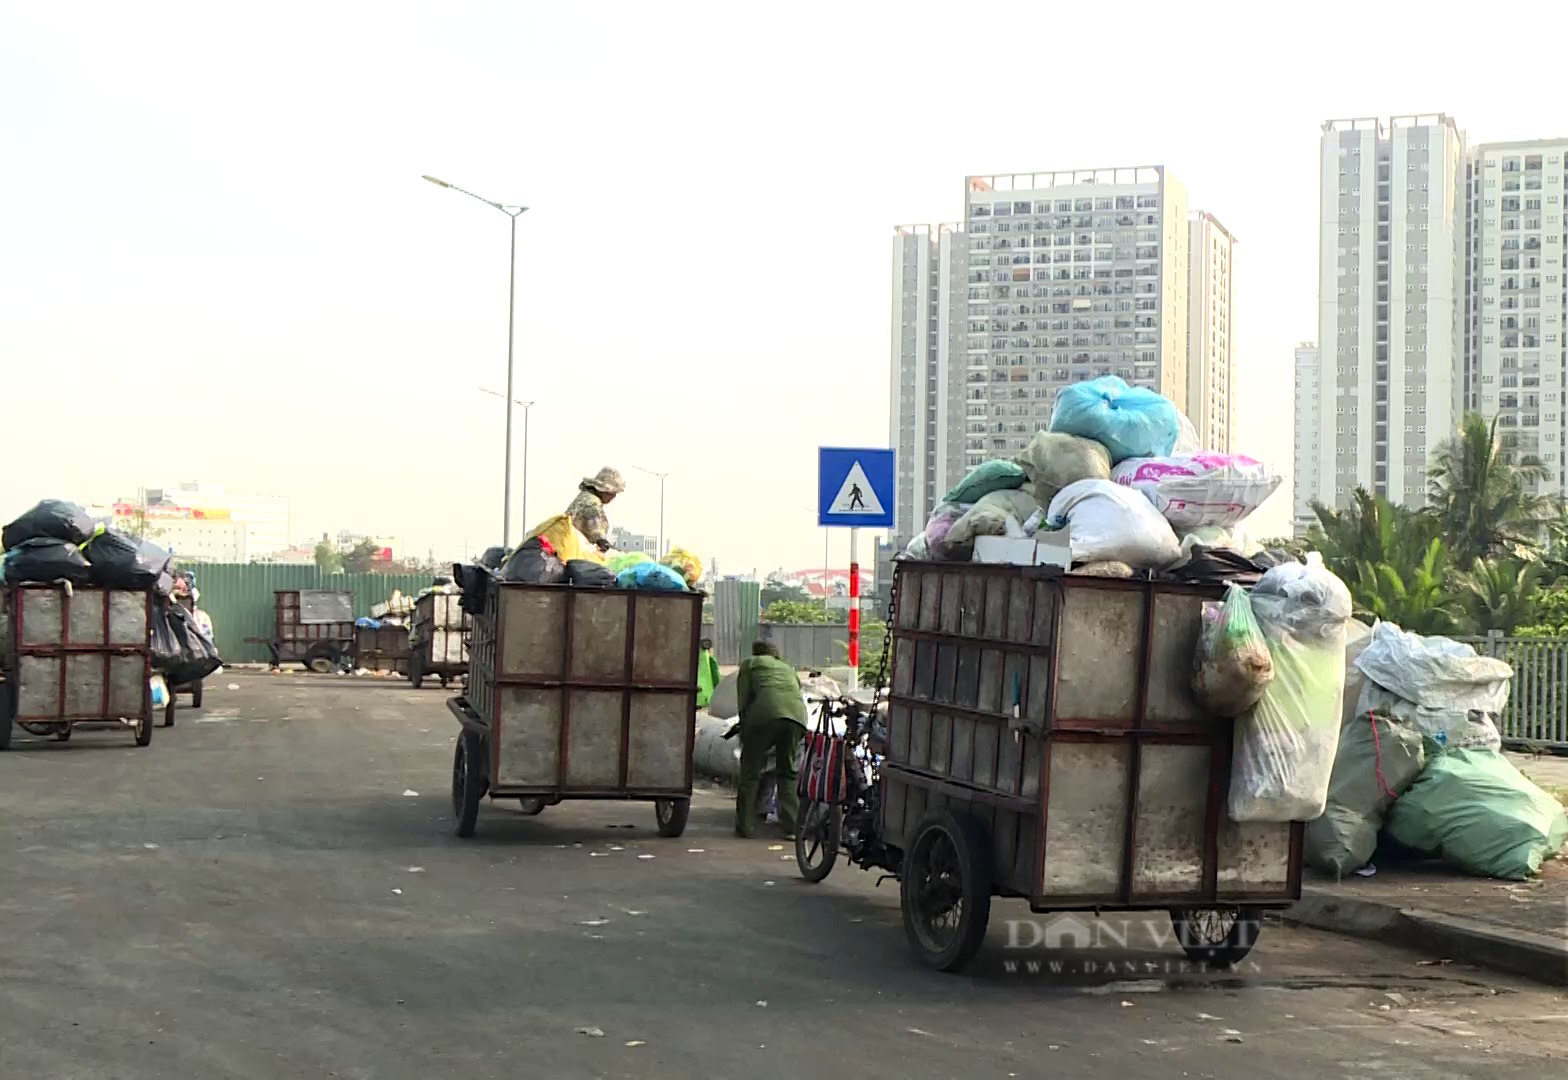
{"points": [[1043, 549]]}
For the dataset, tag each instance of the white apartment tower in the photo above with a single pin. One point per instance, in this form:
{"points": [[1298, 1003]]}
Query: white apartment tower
{"points": [[927, 410], [1389, 302], [1071, 275], [1304, 477], [1211, 364], [1516, 298]]}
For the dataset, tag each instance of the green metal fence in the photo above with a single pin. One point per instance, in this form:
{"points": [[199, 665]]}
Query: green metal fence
{"points": [[239, 597]]}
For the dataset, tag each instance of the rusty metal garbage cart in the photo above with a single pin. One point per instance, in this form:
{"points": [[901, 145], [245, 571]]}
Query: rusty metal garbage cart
{"points": [[578, 693], [1043, 743], [314, 627], [438, 644], [75, 657]]}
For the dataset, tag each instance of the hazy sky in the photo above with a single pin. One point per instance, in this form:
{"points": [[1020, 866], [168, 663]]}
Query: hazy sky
{"points": [[218, 260]]}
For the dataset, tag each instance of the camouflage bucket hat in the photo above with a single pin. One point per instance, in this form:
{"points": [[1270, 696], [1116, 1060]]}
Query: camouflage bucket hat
{"points": [[606, 481]]}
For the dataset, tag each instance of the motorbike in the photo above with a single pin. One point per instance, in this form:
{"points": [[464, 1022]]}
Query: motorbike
{"points": [[854, 827]]}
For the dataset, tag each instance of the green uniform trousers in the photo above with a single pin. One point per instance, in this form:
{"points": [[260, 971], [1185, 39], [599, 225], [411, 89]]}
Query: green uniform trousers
{"points": [[783, 736]]}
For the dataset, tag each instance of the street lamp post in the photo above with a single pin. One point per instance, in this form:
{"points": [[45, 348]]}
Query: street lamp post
{"points": [[661, 477], [513, 212], [526, 406]]}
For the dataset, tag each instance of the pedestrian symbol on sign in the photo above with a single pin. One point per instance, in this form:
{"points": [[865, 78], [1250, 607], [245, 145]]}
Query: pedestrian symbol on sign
{"points": [[856, 495]]}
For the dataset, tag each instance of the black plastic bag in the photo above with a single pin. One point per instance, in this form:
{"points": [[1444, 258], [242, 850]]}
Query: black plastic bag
{"points": [[198, 655], [494, 558], [589, 573], [474, 581], [124, 562], [51, 519], [165, 646], [535, 563], [43, 559]]}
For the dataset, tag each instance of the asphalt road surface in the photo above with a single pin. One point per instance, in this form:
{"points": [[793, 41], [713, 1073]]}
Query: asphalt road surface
{"points": [[262, 893]]}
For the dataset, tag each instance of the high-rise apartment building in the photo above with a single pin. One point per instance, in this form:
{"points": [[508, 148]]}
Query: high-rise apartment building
{"points": [[1390, 302], [927, 406], [1071, 275], [1516, 299], [1211, 303], [1304, 477]]}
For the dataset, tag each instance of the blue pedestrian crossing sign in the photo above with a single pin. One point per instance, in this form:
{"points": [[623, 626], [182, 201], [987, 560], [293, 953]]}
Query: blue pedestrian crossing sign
{"points": [[855, 487]]}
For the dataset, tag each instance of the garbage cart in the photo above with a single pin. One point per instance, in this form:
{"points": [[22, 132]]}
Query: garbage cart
{"points": [[1043, 743], [438, 644], [75, 657], [578, 693]]}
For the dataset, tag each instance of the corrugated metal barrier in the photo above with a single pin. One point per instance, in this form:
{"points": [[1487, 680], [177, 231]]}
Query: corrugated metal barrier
{"points": [[239, 597], [806, 645], [737, 609]]}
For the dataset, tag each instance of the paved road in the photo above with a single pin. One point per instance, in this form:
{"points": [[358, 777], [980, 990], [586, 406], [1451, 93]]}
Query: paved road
{"points": [[241, 899]]}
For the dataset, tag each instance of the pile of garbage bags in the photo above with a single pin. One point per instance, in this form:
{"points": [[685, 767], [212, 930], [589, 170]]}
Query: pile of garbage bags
{"points": [[557, 553], [1121, 467], [182, 648], [1420, 762], [56, 541]]}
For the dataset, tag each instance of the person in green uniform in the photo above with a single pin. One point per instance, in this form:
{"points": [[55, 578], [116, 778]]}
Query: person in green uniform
{"points": [[772, 716], [707, 674]]}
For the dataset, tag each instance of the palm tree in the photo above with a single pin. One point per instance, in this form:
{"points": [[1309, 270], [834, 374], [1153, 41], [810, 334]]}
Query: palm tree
{"points": [[1501, 595], [1371, 530], [1412, 597], [1483, 497]]}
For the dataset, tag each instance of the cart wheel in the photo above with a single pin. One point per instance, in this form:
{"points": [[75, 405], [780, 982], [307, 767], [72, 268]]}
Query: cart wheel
{"points": [[1217, 936], [531, 805], [6, 712], [144, 730], [64, 734], [196, 694], [671, 815], [945, 889], [168, 711], [468, 781], [817, 840]]}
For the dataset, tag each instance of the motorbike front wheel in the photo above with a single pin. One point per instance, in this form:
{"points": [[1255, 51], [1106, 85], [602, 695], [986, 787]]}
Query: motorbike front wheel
{"points": [[817, 837]]}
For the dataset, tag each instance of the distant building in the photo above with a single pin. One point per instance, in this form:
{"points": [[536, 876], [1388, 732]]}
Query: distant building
{"points": [[199, 540], [1391, 296], [1072, 275], [926, 406], [1304, 478], [1211, 305], [266, 517], [631, 542], [1516, 299], [388, 548]]}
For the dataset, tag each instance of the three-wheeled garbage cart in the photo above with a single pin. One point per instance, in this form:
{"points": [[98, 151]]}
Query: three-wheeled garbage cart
{"points": [[74, 657], [578, 693], [314, 627], [1043, 743], [438, 645]]}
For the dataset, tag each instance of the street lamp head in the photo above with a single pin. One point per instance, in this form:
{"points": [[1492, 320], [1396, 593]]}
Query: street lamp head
{"points": [[437, 182]]}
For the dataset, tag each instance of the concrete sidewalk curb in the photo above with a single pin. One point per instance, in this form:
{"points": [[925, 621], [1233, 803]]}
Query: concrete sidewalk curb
{"points": [[1518, 952]]}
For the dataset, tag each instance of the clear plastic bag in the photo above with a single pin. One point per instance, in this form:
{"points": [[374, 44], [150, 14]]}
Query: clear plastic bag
{"points": [[1231, 665], [1284, 745]]}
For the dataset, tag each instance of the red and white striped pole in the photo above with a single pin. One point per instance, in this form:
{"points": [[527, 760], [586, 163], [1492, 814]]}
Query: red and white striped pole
{"points": [[854, 609]]}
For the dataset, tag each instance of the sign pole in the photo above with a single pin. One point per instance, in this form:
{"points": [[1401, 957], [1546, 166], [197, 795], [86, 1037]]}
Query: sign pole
{"points": [[854, 608]]}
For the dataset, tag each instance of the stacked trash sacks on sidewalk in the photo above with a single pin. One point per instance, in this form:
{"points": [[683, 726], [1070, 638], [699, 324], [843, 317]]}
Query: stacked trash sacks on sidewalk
{"points": [[1420, 767], [1119, 477], [56, 542], [556, 553]]}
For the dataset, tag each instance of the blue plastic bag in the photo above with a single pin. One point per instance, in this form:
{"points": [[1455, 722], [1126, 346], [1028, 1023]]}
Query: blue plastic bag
{"points": [[651, 575], [1129, 421]]}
